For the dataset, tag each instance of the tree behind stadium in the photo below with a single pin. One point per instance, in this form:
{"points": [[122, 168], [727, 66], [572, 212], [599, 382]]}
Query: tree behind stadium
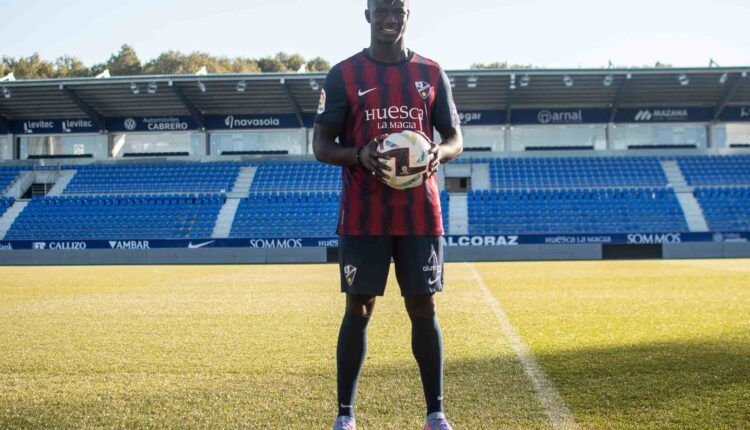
{"points": [[125, 62]]}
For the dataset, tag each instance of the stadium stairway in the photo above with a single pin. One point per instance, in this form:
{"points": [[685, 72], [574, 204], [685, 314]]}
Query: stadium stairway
{"points": [[694, 216], [674, 176], [61, 182], [225, 219], [458, 214], [480, 176], [241, 188], [9, 217]]}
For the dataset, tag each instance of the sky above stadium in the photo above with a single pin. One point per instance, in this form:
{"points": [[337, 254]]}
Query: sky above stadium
{"points": [[549, 33]]}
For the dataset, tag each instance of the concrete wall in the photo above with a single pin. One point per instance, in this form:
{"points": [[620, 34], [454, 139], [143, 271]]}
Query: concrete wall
{"points": [[164, 256]]}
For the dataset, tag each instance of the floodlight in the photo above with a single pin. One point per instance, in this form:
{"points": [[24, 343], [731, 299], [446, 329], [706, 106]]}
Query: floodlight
{"points": [[471, 82], [568, 81], [6, 92], [723, 78], [525, 79], [608, 80], [683, 79], [134, 88], [241, 86], [202, 86], [151, 87]]}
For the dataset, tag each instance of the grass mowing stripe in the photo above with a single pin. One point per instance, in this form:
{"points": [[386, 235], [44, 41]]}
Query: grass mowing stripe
{"points": [[554, 406]]}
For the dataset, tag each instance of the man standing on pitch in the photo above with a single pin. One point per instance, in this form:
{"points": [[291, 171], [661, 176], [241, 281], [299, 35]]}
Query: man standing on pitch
{"points": [[386, 89]]}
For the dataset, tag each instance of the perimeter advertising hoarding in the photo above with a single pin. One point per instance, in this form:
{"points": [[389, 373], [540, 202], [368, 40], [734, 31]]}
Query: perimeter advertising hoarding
{"points": [[663, 114], [251, 122], [482, 117], [162, 124], [559, 116], [736, 113], [332, 242], [53, 126]]}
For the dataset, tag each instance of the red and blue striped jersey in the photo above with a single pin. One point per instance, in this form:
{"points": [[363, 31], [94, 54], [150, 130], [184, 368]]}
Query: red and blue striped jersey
{"points": [[363, 98]]}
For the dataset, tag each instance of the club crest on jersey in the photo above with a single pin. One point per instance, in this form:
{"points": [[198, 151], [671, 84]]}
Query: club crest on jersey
{"points": [[322, 103], [350, 272], [423, 88]]}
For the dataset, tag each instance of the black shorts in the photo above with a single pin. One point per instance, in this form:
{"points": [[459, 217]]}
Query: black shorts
{"points": [[364, 262]]}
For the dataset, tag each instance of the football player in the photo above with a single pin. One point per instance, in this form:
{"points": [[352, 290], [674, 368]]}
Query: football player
{"points": [[384, 89]]}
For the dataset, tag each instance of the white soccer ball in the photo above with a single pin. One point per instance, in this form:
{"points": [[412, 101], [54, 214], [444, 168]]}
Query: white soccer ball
{"points": [[408, 157]]}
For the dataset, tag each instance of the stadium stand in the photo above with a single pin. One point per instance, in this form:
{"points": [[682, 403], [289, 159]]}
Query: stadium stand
{"points": [[445, 209], [7, 176], [528, 195], [154, 178], [716, 170], [574, 211], [117, 217], [5, 203], [726, 209], [288, 214], [279, 176], [576, 172]]}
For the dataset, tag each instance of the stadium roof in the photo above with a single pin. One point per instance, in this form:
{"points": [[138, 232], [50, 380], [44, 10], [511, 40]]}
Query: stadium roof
{"points": [[197, 96]]}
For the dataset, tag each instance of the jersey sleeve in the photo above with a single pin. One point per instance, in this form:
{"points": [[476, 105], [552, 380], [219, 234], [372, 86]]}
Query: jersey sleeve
{"points": [[333, 106], [445, 115]]}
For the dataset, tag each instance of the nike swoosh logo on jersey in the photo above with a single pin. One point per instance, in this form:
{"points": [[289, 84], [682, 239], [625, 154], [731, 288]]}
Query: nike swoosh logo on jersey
{"points": [[433, 281], [361, 93]]}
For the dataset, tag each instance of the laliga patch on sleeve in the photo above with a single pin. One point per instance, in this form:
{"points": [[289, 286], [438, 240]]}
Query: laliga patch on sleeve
{"points": [[322, 103]]}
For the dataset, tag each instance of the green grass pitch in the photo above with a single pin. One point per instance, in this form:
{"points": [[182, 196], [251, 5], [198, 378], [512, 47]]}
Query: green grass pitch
{"points": [[628, 345]]}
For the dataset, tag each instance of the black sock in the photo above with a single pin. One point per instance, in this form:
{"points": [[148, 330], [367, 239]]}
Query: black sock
{"points": [[350, 354], [427, 345]]}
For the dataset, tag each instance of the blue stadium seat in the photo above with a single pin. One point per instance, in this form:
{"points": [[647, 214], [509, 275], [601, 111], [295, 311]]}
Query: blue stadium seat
{"points": [[574, 211], [154, 178], [133, 217], [726, 209]]}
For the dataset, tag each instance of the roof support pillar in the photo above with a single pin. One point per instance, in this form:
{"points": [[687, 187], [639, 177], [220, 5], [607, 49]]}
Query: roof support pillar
{"points": [[194, 112], [618, 98], [293, 103], [727, 97], [89, 110]]}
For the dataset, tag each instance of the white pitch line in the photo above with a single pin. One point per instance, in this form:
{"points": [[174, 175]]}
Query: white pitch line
{"points": [[553, 404]]}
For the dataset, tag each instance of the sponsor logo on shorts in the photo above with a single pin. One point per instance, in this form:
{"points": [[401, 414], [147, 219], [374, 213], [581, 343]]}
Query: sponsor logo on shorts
{"points": [[433, 266], [349, 273]]}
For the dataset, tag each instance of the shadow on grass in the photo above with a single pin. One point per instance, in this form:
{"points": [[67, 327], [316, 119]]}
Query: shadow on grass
{"points": [[698, 385], [688, 385]]}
